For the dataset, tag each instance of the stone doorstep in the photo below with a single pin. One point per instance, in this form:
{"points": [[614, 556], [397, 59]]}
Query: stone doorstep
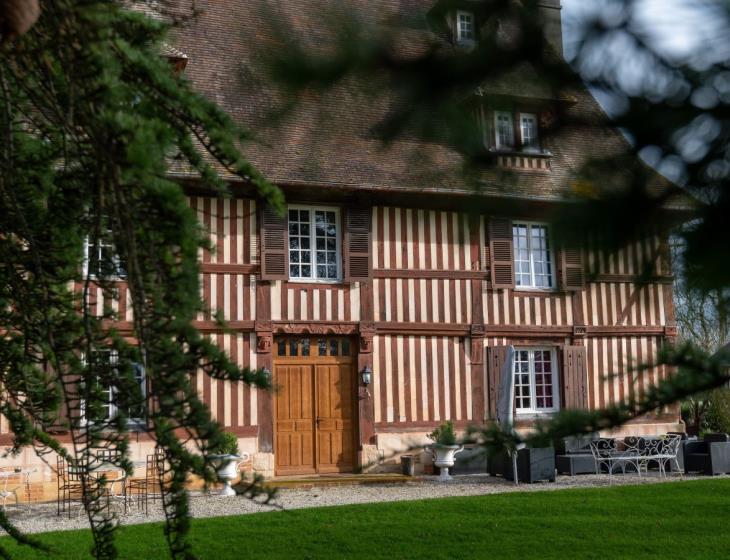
{"points": [[309, 482]]}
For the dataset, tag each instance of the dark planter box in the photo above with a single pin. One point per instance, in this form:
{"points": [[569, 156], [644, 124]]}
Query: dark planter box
{"points": [[710, 456], [473, 460], [532, 465], [575, 463]]}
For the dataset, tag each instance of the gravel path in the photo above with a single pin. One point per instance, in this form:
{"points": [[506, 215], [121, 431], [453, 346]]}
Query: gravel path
{"points": [[43, 517]]}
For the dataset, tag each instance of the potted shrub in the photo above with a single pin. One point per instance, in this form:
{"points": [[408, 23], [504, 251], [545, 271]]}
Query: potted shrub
{"points": [[226, 461], [444, 448]]}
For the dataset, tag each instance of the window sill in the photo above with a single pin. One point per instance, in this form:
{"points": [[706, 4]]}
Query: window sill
{"points": [[133, 426], [522, 153], [314, 281], [535, 415], [95, 278], [527, 290]]}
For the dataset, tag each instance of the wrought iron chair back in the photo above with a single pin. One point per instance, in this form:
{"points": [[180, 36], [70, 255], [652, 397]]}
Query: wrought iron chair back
{"points": [[603, 447], [150, 487], [69, 484], [633, 445], [670, 448], [111, 456], [75, 473], [653, 446], [670, 444]]}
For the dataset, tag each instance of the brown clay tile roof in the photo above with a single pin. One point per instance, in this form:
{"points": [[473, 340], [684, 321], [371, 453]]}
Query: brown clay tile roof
{"points": [[327, 138]]}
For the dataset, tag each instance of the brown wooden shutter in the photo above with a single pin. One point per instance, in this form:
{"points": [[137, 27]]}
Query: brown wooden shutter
{"points": [[500, 253], [572, 275], [496, 356], [356, 254], [274, 245], [575, 378]]}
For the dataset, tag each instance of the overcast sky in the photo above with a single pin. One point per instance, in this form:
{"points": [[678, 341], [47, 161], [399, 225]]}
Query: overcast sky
{"points": [[695, 32], [681, 28]]}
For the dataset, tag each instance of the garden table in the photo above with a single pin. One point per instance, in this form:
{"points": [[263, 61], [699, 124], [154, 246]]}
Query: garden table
{"points": [[5, 477], [118, 481]]}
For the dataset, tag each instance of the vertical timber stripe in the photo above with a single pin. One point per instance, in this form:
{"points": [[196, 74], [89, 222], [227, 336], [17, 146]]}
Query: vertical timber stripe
{"points": [[624, 304], [501, 308], [407, 238], [427, 300], [637, 257], [293, 302], [229, 225], [420, 379], [233, 404], [612, 368], [231, 295]]}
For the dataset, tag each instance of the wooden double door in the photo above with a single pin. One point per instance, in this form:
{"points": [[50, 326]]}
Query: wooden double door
{"points": [[314, 405]]}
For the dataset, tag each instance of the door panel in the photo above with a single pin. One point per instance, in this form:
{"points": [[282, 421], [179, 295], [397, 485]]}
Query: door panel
{"points": [[294, 419], [334, 418], [314, 405]]}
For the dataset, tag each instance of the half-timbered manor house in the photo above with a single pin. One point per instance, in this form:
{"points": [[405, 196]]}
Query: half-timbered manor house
{"points": [[383, 301]]}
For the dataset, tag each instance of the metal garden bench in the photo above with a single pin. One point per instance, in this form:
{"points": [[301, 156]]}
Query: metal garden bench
{"points": [[637, 452]]}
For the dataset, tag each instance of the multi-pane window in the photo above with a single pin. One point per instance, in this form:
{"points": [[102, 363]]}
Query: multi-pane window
{"points": [[314, 245], [102, 259], [103, 364], [465, 32], [528, 129], [533, 255], [535, 381], [504, 129]]}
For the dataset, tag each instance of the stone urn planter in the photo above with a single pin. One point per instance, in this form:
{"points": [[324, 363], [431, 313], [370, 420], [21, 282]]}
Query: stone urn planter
{"points": [[443, 458], [226, 466], [444, 448]]}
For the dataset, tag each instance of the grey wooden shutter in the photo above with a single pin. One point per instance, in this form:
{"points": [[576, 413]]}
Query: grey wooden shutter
{"points": [[274, 245], [500, 253], [575, 378], [496, 356], [357, 254], [572, 277]]}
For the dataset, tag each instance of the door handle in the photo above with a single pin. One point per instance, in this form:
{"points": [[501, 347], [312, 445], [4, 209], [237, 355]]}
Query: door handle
{"points": [[317, 421]]}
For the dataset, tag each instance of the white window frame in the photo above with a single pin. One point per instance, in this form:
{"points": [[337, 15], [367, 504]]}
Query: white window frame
{"points": [[459, 38], [111, 403], [536, 142], [313, 243], [497, 142], [533, 393], [117, 262], [550, 252]]}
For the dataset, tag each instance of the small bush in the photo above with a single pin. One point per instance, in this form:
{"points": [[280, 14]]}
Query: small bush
{"points": [[228, 445], [444, 434], [718, 413]]}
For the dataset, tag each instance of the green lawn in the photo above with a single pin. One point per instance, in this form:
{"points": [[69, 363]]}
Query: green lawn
{"points": [[676, 520]]}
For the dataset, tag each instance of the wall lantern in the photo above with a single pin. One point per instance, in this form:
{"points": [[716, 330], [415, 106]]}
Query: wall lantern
{"points": [[367, 375]]}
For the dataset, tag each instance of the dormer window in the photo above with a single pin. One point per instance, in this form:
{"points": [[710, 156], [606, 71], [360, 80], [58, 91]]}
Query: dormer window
{"points": [[514, 131], [504, 130], [513, 136], [465, 28], [528, 130]]}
